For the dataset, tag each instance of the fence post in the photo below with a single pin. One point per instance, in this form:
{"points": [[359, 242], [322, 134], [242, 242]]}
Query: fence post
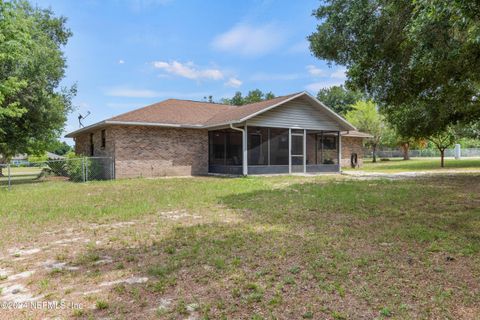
{"points": [[458, 151], [83, 169], [112, 161], [86, 169], [9, 177]]}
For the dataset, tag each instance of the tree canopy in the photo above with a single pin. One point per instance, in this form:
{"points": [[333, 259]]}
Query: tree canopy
{"points": [[33, 107], [365, 117], [418, 60], [339, 98], [253, 96], [59, 147]]}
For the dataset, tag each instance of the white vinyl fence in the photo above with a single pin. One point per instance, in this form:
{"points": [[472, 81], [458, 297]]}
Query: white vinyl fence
{"points": [[425, 153]]}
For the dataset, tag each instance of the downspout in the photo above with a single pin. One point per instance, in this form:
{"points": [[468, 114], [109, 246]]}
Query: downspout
{"points": [[244, 149]]}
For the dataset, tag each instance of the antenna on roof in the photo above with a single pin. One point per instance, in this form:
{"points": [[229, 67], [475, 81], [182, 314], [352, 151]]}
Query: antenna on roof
{"points": [[208, 99], [80, 118]]}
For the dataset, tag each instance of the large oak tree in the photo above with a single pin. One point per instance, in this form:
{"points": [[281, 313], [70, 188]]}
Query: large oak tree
{"points": [[365, 117], [339, 98], [418, 60], [33, 106]]}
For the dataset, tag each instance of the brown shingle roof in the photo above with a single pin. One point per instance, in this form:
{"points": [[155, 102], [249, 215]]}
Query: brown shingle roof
{"points": [[195, 113], [174, 111], [188, 113]]}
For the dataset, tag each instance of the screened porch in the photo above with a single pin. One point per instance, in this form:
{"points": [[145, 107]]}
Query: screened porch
{"points": [[273, 150]]}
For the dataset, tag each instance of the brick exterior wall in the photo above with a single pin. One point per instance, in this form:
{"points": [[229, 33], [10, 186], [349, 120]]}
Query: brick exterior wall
{"points": [[153, 151], [141, 151], [351, 145], [82, 143]]}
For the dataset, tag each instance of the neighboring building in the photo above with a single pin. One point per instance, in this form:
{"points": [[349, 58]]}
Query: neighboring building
{"points": [[288, 134], [22, 159]]}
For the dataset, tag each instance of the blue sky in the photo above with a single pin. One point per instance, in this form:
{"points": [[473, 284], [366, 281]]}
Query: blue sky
{"points": [[126, 54]]}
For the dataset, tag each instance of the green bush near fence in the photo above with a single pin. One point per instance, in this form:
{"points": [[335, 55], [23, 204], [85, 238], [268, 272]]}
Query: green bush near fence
{"points": [[58, 167], [76, 168], [81, 169]]}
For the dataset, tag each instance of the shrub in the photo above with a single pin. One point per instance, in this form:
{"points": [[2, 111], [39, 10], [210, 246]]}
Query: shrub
{"points": [[58, 167], [75, 166], [38, 158]]}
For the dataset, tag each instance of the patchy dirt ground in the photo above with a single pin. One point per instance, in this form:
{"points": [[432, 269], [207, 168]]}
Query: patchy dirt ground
{"points": [[69, 272], [296, 248]]}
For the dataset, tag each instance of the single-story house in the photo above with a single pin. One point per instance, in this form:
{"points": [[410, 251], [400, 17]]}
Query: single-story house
{"points": [[287, 134]]}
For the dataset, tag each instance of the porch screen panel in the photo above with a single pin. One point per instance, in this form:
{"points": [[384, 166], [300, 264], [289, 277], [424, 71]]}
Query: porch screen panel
{"points": [[279, 147], [217, 147], [234, 148], [257, 146], [328, 147], [312, 151]]}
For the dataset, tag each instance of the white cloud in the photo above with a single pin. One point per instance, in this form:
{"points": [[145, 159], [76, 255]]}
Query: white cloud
{"points": [[233, 82], [121, 61], [316, 86], [250, 40], [299, 47], [340, 73], [336, 78], [262, 76], [127, 92], [188, 70], [314, 71]]}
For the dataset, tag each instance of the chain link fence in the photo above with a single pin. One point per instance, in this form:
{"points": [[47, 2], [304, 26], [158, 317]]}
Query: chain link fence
{"points": [[74, 169], [425, 153]]}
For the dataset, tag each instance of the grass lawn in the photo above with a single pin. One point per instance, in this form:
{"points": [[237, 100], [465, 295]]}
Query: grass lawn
{"points": [[420, 164], [326, 247]]}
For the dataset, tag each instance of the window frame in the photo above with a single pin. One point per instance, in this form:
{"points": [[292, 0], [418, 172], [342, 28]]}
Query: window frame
{"points": [[92, 145], [103, 135]]}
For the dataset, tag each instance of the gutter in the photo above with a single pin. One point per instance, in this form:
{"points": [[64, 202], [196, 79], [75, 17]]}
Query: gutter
{"points": [[130, 123], [244, 149]]}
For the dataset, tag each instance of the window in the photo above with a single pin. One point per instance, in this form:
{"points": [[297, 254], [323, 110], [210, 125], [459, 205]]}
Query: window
{"points": [[328, 149], [329, 142], [103, 139], [92, 149]]}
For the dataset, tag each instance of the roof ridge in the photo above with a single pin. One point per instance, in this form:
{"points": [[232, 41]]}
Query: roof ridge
{"points": [[279, 97], [157, 103], [197, 101]]}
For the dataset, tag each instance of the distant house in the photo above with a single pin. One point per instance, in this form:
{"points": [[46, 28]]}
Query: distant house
{"points": [[22, 159], [19, 159], [288, 134]]}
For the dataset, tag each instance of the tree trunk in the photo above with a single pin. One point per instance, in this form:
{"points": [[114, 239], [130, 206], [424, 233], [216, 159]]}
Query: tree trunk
{"points": [[374, 153], [1, 171], [405, 150], [442, 158]]}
